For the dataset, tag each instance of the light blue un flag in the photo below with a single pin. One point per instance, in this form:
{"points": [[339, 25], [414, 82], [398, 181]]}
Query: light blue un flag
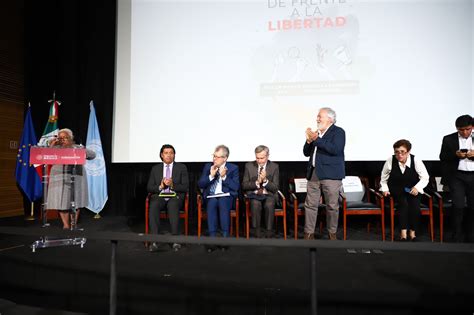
{"points": [[96, 174]]}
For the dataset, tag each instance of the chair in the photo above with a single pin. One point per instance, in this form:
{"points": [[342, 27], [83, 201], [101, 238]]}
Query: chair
{"points": [[357, 200], [279, 212], [444, 202], [183, 214], [234, 215], [426, 209], [297, 192]]}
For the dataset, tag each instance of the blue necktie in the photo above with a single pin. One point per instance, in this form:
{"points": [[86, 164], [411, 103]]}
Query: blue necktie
{"points": [[214, 184]]}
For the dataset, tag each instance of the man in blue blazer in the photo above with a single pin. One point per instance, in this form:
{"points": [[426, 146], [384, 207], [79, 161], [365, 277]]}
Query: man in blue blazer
{"points": [[326, 169], [220, 184]]}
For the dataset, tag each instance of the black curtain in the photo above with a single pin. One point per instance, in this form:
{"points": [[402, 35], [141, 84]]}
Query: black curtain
{"points": [[70, 50]]}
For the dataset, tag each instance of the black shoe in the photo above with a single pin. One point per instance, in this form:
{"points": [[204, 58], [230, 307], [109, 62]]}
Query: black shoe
{"points": [[154, 247], [402, 239], [414, 239], [223, 248], [210, 248], [268, 234]]}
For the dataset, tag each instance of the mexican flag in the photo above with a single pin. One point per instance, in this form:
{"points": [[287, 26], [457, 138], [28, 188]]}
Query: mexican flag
{"points": [[51, 128]]}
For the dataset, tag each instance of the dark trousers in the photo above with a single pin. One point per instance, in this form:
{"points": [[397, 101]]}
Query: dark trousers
{"points": [[171, 205], [268, 204], [461, 187], [219, 208], [409, 209]]}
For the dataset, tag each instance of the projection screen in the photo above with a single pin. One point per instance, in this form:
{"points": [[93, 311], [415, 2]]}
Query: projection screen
{"points": [[196, 74]]}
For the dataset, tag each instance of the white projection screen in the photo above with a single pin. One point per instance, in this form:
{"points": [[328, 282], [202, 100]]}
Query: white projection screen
{"points": [[196, 74]]}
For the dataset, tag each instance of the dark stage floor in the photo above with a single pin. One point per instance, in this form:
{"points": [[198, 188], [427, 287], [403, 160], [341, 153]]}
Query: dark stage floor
{"points": [[242, 280]]}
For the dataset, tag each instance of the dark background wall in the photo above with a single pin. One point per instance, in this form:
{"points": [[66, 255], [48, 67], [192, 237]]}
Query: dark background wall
{"points": [[70, 49]]}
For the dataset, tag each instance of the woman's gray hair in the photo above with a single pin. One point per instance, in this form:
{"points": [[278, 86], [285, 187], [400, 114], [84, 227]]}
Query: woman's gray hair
{"points": [[331, 113], [68, 131]]}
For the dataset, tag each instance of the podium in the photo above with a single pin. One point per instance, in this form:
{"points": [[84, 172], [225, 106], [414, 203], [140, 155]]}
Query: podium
{"points": [[71, 157]]}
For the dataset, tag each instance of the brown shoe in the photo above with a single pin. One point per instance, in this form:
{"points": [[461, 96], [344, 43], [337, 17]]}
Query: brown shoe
{"points": [[308, 236], [332, 236]]}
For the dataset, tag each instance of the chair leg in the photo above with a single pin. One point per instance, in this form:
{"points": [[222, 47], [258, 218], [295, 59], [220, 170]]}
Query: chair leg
{"points": [[186, 225], [431, 226], [441, 224], [382, 223], [199, 225], [392, 214], [296, 224], [284, 226], [237, 226], [345, 225]]}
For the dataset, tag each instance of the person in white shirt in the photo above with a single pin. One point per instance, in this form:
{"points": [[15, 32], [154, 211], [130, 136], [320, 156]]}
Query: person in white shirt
{"points": [[457, 167], [404, 177]]}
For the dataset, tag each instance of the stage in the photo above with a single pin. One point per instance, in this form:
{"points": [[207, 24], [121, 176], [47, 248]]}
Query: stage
{"points": [[240, 280]]}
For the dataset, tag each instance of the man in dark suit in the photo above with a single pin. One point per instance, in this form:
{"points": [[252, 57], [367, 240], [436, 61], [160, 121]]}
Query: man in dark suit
{"points": [[168, 184], [325, 171], [261, 181], [220, 184], [457, 167]]}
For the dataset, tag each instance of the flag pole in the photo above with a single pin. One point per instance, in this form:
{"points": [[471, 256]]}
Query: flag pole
{"points": [[31, 217]]}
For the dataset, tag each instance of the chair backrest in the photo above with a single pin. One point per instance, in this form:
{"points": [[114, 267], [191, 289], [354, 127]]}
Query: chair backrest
{"points": [[353, 188]]}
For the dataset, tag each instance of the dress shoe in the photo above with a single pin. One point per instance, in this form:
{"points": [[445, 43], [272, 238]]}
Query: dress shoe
{"points": [[332, 236], [413, 239], [154, 247], [210, 248], [268, 234], [176, 247], [308, 236], [402, 239], [223, 248]]}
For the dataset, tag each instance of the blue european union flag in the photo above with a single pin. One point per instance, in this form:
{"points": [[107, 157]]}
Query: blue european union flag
{"points": [[96, 174], [25, 173]]}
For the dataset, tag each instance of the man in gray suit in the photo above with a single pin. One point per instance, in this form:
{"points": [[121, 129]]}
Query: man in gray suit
{"points": [[168, 184], [260, 182]]}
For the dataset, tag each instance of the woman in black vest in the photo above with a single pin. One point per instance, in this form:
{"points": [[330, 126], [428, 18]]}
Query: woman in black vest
{"points": [[404, 178]]}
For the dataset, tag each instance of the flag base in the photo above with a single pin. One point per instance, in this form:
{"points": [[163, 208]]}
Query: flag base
{"points": [[97, 216], [30, 218]]}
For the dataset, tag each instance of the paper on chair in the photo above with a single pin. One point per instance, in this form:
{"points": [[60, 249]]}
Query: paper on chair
{"points": [[301, 185], [352, 184]]}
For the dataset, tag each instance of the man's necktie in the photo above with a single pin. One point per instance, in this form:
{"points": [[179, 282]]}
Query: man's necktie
{"points": [[260, 190], [168, 176], [214, 184]]}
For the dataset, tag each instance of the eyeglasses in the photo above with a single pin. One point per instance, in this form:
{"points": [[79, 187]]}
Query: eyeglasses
{"points": [[217, 156], [400, 152]]}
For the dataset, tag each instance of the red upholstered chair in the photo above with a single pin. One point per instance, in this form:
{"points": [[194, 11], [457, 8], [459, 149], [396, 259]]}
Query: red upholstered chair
{"points": [[183, 213], [359, 199], [234, 216], [444, 203], [280, 211]]}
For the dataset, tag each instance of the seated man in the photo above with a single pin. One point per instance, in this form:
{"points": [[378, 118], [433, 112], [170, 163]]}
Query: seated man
{"points": [[168, 184], [220, 184], [261, 179]]}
